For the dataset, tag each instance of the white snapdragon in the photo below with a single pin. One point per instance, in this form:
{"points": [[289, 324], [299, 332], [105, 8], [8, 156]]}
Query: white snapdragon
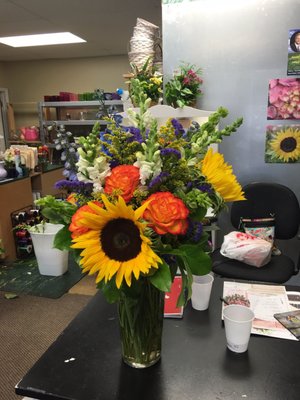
{"points": [[148, 169], [99, 172], [148, 119], [94, 173], [82, 172], [195, 148], [132, 117]]}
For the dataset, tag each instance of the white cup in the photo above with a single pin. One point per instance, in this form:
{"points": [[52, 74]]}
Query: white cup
{"points": [[238, 323], [201, 289]]}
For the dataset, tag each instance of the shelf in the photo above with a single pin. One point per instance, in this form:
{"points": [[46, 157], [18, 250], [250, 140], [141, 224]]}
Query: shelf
{"points": [[75, 122], [25, 142], [57, 113], [80, 103]]}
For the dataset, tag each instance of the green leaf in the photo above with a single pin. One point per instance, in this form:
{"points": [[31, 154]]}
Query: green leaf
{"points": [[162, 278], [110, 291], [187, 280], [180, 103], [187, 91], [199, 214], [196, 258], [62, 239]]}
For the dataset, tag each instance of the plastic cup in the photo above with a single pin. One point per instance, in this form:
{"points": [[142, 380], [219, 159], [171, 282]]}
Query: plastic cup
{"points": [[201, 289], [238, 323]]}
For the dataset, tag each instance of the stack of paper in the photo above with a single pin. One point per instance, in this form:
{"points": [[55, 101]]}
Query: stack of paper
{"points": [[264, 301]]}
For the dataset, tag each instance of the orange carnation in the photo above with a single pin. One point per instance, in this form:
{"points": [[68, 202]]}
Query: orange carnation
{"points": [[75, 226], [123, 180], [166, 214]]}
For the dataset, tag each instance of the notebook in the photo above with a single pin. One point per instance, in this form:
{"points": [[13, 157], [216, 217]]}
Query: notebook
{"points": [[171, 310]]}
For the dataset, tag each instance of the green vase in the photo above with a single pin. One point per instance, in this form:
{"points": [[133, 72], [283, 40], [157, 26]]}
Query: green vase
{"points": [[141, 323]]}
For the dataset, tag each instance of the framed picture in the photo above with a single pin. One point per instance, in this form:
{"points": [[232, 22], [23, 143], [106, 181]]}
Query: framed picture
{"points": [[284, 99], [282, 144], [293, 67]]}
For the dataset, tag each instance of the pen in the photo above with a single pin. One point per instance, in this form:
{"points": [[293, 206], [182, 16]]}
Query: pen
{"points": [[224, 301]]}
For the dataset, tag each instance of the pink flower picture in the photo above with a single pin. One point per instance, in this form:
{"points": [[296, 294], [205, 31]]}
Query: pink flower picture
{"points": [[284, 99]]}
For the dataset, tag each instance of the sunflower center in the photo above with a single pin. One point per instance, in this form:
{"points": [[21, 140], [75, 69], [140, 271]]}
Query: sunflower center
{"points": [[288, 144], [120, 239]]}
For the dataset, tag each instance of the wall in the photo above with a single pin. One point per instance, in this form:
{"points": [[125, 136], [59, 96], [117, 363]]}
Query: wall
{"points": [[240, 45], [2, 75], [29, 81]]}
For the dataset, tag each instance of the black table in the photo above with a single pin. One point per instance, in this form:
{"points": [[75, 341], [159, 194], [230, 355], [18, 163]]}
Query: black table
{"points": [[195, 362]]}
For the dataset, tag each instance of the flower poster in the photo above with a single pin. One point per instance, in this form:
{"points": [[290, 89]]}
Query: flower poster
{"points": [[293, 67], [282, 144], [284, 99]]}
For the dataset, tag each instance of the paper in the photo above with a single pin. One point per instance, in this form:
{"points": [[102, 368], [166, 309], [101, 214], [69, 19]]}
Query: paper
{"points": [[264, 301]]}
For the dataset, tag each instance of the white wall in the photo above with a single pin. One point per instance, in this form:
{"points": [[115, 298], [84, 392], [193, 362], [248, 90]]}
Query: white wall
{"points": [[240, 45], [2, 75]]}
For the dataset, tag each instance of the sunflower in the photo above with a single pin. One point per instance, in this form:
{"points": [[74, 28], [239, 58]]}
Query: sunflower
{"points": [[115, 242], [219, 174], [286, 144]]}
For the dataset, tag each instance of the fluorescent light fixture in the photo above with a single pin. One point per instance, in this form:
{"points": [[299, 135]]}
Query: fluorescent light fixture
{"points": [[43, 39]]}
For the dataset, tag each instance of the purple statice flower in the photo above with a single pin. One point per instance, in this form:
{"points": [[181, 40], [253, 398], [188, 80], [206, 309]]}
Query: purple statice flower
{"points": [[113, 163], [74, 186], [169, 259], [104, 139], [203, 187], [158, 179], [169, 151], [179, 130], [194, 231], [136, 134]]}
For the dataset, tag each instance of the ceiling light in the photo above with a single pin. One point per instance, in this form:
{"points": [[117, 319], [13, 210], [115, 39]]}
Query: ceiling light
{"points": [[44, 39]]}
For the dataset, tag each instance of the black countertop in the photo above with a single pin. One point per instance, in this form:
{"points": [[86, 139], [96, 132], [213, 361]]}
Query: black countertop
{"points": [[84, 363]]}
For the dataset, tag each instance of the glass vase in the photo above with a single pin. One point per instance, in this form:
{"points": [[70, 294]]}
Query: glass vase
{"points": [[141, 323]]}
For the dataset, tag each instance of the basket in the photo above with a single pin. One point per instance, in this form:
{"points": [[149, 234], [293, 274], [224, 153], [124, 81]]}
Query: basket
{"points": [[140, 58], [141, 45], [140, 32], [147, 27]]}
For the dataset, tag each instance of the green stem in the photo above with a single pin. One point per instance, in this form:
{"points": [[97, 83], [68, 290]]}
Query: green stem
{"points": [[141, 320]]}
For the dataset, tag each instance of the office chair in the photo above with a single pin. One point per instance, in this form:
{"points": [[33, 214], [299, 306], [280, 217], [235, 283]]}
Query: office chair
{"points": [[263, 199]]}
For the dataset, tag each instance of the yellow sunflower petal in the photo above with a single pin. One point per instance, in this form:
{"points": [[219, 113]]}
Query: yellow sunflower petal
{"points": [[219, 174], [115, 250]]}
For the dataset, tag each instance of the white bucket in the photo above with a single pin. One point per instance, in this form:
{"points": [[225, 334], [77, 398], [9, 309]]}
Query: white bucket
{"points": [[50, 261]]}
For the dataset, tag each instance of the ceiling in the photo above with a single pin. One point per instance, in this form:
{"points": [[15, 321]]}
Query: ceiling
{"points": [[106, 25]]}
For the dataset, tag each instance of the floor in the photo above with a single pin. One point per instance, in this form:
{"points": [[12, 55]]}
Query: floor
{"points": [[85, 286]]}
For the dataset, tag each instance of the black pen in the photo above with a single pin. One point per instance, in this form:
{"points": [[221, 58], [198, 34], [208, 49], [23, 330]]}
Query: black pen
{"points": [[224, 301]]}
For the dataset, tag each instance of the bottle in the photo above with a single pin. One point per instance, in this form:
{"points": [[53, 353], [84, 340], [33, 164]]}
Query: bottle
{"points": [[18, 162], [3, 172], [124, 94]]}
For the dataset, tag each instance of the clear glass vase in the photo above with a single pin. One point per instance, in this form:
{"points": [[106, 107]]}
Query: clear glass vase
{"points": [[141, 323]]}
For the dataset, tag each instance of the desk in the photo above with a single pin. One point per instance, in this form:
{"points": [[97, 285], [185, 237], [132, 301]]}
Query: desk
{"points": [[195, 362]]}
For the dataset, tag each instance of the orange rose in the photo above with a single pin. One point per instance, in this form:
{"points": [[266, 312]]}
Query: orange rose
{"points": [[167, 214], [75, 226], [123, 178]]}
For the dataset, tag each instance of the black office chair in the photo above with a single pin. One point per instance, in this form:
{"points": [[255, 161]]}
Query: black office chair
{"points": [[264, 199]]}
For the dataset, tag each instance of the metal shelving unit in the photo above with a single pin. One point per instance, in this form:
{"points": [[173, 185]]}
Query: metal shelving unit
{"points": [[74, 114]]}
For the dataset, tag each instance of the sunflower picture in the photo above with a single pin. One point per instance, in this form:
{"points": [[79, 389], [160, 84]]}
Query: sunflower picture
{"points": [[282, 144]]}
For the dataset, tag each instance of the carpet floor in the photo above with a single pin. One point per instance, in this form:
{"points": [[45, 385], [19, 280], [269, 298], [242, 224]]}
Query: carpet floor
{"points": [[28, 326]]}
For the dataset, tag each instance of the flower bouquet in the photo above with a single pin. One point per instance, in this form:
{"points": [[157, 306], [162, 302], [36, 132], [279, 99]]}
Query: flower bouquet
{"points": [[135, 211], [183, 88]]}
